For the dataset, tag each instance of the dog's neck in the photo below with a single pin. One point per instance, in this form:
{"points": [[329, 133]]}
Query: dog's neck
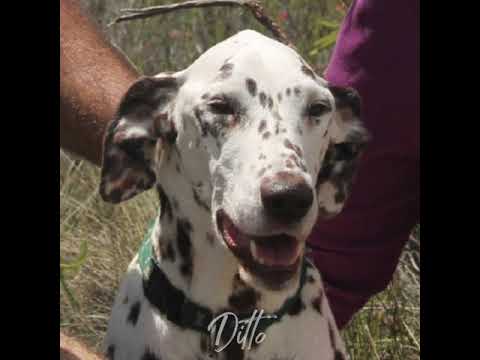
{"points": [[194, 260]]}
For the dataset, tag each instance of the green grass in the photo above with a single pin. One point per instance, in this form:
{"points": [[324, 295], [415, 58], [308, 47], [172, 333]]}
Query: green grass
{"points": [[387, 328]]}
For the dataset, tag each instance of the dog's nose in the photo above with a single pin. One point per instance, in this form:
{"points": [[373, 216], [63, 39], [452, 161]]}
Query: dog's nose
{"points": [[286, 197]]}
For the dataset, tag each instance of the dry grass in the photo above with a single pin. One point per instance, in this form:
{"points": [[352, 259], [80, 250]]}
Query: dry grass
{"points": [[387, 328]]}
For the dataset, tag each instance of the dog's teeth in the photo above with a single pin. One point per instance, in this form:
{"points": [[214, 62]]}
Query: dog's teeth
{"points": [[253, 250], [298, 250]]}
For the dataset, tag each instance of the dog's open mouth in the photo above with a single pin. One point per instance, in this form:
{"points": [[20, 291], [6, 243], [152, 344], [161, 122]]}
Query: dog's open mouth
{"points": [[274, 259]]}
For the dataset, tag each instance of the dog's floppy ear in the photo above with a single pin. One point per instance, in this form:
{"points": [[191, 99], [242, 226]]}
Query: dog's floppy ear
{"points": [[348, 138], [141, 125]]}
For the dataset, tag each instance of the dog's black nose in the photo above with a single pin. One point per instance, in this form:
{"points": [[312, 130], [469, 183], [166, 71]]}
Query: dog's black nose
{"points": [[286, 197]]}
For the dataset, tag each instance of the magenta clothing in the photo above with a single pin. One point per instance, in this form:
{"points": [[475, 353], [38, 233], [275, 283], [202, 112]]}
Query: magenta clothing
{"points": [[377, 53]]}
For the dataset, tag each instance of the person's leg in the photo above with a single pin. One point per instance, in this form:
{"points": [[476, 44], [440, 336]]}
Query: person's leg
{"points": [[377, 53]]}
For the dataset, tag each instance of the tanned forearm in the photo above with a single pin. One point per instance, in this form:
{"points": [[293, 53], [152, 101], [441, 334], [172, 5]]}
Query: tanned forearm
{"points": [[93, 77]]}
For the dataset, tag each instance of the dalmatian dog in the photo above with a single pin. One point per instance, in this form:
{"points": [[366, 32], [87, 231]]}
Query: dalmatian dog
{"points": [[247, 148]]}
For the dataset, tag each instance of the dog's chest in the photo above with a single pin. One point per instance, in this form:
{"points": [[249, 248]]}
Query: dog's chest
{"points": [[138, 331]]}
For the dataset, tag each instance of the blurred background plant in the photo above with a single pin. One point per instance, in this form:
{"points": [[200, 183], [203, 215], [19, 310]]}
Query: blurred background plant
{"points": [[173, 41], [387, 328]]}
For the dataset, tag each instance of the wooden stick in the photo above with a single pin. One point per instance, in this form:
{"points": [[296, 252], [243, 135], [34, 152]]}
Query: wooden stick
{"points": [[252, 5]]}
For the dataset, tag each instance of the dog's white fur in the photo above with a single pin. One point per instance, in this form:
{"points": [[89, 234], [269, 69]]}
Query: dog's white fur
{"points": [[231, 163]]}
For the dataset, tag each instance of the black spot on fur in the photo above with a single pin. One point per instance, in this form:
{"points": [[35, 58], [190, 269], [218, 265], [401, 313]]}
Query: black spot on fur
{"points": [[205, 96], [297, 162], [266, 135], [144, 93], [308, 72], [261, 172], [169, 252], [133, 313], [165, 206], [199, 201], [262, 126], [238, 283], [186, 269], [327, 166], [346, 97], [234, 351], [164, 127], [299, 130], [226, 70], [204, 343], [251, 86], [340, 195], [184, 245], [297, 307], [262, 156], [244, 300], [148, 355], [210, 238], [263, 99], [297, 91], [175, 203], [207, 128], [270, 102], [288, 91], [310, 279], [220, 184], [171, 135], [293, 147], [226, 67], [279, 97], [317, 303], [203, 125], [110, 352]]}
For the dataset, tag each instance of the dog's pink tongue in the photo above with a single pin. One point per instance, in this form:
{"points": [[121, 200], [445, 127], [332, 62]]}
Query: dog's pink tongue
{"points": [[281, 253]]}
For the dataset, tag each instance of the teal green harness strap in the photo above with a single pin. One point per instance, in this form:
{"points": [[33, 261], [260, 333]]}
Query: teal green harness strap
{"points": [[145, 254]]}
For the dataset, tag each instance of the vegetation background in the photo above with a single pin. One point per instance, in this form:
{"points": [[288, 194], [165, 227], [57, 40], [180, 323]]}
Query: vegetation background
{"points": [[97, 240]]}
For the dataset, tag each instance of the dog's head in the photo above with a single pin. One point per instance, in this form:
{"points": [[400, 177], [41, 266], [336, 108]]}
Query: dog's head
{"points": [[275, 144]]}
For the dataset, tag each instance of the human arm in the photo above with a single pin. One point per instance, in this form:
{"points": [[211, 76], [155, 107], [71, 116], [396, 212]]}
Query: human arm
{"points": [[93, 77]]}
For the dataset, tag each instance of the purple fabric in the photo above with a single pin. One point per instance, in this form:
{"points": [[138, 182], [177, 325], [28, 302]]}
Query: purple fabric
{"points": [[377, 53]]}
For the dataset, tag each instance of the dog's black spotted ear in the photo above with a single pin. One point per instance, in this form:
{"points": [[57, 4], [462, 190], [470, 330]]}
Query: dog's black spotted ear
{"points": [[348, 139], [136, 138]]}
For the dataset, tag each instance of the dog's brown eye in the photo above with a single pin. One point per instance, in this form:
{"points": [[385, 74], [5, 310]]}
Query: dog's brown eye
{"points": [[318, 109], [220, 106]]}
